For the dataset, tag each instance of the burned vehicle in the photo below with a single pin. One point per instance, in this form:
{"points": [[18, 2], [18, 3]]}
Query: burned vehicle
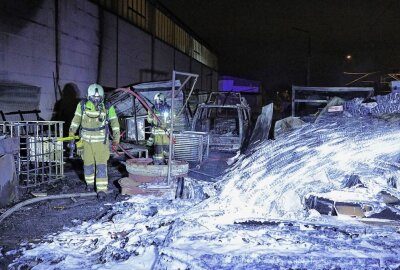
{"points": [[226, 118]]}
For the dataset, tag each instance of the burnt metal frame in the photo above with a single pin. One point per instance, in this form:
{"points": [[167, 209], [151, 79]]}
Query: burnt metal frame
{"points": [[211, 103], [188, 77], [338, 90], [195, 145]]}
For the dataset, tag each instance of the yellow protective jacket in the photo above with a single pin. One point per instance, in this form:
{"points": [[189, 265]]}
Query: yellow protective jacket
{"points": [[160, 119], [94, 123]]}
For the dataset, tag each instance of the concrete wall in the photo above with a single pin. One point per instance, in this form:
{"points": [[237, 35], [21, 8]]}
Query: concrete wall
{"points": [[133, 57], [27, 50], [195, 67], [78, 43], [8, 180], [163, 61], [93, 45], [182, 62]]}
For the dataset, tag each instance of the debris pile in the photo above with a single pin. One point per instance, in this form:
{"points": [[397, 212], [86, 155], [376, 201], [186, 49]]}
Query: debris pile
{"points": [[258, 217], [129, 234], [375, 106], [274, 178]]}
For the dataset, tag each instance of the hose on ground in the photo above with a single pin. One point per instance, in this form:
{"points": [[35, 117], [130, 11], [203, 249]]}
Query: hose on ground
{"points": [[38, 199]]}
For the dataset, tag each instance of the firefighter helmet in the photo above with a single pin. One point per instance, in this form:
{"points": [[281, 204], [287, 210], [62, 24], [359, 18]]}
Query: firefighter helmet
{"points": [[159, 99], [95, 93]]}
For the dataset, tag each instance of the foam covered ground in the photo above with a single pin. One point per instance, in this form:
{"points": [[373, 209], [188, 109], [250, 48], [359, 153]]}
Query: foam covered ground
{"points": [[255, 217]]}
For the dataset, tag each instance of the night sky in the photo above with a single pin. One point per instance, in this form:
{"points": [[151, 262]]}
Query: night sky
{"points": [[268, 40]]}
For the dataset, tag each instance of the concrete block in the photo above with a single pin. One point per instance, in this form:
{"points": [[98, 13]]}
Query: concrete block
{"points": [[8, 180], [9, 146]]}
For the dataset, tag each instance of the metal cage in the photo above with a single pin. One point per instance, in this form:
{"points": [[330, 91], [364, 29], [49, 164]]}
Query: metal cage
{"points": [[191, 146], [40, 157]]}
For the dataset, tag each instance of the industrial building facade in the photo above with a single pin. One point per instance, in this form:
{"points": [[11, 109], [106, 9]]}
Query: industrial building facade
{"points": [[48, 44]]}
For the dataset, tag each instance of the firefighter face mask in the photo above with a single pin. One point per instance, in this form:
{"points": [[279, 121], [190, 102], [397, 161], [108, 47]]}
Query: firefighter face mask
{"points": [[159, 101], [96, 99], [95, 94]]}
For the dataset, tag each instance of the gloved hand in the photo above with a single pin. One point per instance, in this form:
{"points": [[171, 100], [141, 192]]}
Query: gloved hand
{"points": [[79, 148], [71, 134]]}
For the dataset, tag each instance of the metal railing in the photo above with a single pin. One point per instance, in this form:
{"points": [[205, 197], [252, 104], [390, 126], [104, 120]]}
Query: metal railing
{"points": [[40, 158]]}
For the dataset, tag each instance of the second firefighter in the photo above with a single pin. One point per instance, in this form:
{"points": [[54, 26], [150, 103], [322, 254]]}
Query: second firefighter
{"points": [[160, 119]]}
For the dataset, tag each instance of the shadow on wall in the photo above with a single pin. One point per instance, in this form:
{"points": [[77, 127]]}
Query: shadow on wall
{"points": [[26, 9], [64, 109]]}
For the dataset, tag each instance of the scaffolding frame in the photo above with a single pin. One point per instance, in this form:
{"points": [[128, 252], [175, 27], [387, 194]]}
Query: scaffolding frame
{"points": [[40, 157]]}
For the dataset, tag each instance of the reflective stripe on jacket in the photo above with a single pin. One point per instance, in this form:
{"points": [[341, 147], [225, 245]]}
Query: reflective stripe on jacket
{"points": [[95, 121], [164, 117]]}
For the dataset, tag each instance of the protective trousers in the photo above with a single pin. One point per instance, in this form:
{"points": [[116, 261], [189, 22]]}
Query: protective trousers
{"points": [[161, 148], [95, 157]]}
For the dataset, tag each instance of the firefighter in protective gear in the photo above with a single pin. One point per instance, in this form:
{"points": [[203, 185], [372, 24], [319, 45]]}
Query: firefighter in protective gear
{"points": [[160, 119], [94, 116]]}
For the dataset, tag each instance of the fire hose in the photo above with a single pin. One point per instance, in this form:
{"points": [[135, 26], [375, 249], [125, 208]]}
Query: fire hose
{"points": [[141, 100], [114, 148], [71, 144], [50, 197]]}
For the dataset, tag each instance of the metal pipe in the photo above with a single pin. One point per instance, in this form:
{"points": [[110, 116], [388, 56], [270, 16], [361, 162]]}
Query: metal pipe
{"points": [[186, 74], [143, 102], [171, 131], [190, 93], [134, 115]]}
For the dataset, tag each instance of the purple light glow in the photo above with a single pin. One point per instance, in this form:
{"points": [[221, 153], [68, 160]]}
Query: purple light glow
{"points": [[232, 84]]}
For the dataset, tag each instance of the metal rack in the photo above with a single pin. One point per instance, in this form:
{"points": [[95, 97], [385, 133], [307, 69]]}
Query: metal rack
{"points": [[40, 158], [191, 146], [337, 91]]}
